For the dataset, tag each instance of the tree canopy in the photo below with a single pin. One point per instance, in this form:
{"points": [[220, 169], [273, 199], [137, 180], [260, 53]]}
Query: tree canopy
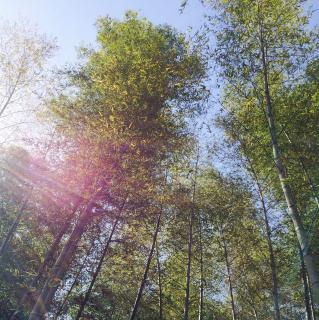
{"points": [[121, 211]]}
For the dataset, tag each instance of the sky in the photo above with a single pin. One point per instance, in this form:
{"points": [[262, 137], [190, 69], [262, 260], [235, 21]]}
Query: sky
{"points": [[71, 22]]}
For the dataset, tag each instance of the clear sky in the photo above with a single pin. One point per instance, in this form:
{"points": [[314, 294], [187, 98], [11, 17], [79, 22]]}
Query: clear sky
{"points": [[71, 22]]}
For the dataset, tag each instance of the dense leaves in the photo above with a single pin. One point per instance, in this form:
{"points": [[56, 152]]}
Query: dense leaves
{"points": [[119, 213]]}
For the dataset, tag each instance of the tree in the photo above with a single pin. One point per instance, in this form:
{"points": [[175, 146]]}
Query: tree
{"points": [[269, 42], [24, 54], [125, 110]]}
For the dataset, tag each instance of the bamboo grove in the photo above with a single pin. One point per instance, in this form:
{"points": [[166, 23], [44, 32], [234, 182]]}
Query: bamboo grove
{"points": [[125, 209]]}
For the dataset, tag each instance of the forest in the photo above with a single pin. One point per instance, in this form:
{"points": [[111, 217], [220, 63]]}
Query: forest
{"points": [[169, 176]]}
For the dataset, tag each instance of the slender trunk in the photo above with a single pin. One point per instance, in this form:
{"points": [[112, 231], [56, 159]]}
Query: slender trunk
{"points": [[201, 286], [288, 193], [53, 249], [304, 169], [13, 228], [28, 295], [189, 265], [66, 297], [255, 314], [272, 259], [313, 311], [159, 272], [13, 90], [305, 285], [190, 246], [16, 222], [231, 290], [97, 271], [142, 285], [73, 283], [61, 266]]}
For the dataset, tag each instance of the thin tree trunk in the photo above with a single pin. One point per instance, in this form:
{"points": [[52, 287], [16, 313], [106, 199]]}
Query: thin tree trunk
{"points": [[189, 265], [201, 286], [149, 259], [65, 299], [73, 283], [230, 284], [48, 258], [305, 285], [160, 289], [288, 193], [9, 98], [61, 266], [313, 311], [16, 222], [190, 246], [13, 228], [97, 271], [53, 249], [272, 259], [302, 164]]}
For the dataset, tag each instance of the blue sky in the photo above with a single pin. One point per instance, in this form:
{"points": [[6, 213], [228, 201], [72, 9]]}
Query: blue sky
{"points": [[71, 22]]}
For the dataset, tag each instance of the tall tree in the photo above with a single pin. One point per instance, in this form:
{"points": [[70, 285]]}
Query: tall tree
{"points": [[126, 94], [24, 55], [269, 42]]}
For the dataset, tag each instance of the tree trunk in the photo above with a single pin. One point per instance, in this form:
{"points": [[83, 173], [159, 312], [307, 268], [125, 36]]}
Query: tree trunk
{"points": [[13, 228], [190, 246], [313, 311], [97, 271], [61, 266], [312, 185], [231, 290], [305, 285], [142, 285], [53, 249], [201, 286], [288, 193], [10, 95], [159, 272], [272, 259], [74, 282], [48, 258], [25, 201], [189, 265]]}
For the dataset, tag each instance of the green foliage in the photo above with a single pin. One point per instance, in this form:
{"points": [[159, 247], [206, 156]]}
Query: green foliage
{"points": [[123, 151]]}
